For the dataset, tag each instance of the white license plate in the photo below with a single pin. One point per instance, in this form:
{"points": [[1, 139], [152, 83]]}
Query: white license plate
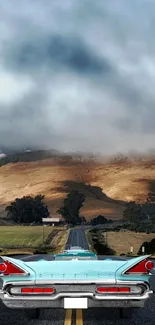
{"points": [[75, 303]]}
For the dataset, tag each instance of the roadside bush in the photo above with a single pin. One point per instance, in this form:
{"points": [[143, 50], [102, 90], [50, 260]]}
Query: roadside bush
{"points": [[99, 220], [149, 247], [40, 251], [103, 249]]}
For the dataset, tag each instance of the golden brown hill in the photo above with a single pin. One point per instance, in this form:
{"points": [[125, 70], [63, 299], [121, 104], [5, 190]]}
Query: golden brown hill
{"points": [[107, 185]]}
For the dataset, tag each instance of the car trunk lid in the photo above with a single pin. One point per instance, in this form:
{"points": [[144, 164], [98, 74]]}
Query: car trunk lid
{"points": [[74, 270]]}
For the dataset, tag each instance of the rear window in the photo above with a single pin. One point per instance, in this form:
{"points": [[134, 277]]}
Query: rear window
{"points": [[69, 258], [79, 256]]}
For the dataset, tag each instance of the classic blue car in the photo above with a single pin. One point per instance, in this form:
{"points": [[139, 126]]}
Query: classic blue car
{"points": [[75, 279]]}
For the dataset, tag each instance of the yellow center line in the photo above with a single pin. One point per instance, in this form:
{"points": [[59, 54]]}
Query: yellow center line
{"points": [[68, 317], [79, 317]]}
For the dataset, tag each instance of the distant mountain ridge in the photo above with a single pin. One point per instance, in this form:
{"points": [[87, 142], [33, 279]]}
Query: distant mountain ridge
{"points": [[27, 155]]}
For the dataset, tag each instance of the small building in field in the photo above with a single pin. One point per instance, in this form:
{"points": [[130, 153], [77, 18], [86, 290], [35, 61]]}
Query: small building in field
{"points": [[51, 221]]}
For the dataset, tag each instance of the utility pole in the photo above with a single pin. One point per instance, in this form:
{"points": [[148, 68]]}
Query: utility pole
{"points": [[106, 237], [43, 234]]}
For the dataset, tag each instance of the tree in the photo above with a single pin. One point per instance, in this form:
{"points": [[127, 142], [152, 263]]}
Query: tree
{"points": [[149, 207], [134, 213], [27, 210], [98, 220], [71, 207], [146, 246], [83, 220], [152, 246], [150, 197], [149, 247]]}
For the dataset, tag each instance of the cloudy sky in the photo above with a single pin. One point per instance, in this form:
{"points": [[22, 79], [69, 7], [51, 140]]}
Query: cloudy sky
{"points": [[77, 74]]}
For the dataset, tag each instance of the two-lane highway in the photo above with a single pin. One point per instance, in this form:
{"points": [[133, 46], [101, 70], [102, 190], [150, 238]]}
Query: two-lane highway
{"points": [[77, 237]]}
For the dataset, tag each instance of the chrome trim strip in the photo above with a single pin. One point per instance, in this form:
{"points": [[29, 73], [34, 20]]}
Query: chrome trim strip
{"points": [[134, 283], [17, 283], [131, 282], [138, 273], [48, 282], [17, 274], [133, 297], [93, 281], [34, 293], [56, 281]]}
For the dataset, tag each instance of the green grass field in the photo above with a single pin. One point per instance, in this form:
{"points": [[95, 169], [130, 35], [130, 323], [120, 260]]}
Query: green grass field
{"points": [[28, 236]]}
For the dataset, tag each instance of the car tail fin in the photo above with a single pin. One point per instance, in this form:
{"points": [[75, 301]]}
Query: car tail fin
{"points": [[143, 267], [137, 266], [10, 267]]}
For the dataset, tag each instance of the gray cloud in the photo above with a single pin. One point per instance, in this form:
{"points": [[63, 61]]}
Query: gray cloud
{"points": [[79, 77], [56, 52]]}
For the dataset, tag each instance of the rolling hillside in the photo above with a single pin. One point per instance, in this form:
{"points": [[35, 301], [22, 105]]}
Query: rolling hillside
{"points": [[107, 185]]}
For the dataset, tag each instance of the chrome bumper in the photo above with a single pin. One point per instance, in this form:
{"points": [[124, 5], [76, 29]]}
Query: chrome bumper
{"points": [[58, 300]]}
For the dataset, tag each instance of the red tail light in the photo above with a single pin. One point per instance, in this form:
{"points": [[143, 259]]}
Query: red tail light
{"points": [[37, 290], [143, 267], [26, 290], [149, 265], [8, 268], [3, 267], [124, 290], [101, 290], [113, 290], [49, 290]]}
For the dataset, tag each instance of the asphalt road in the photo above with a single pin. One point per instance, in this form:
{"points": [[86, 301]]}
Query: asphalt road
{"points": [[144, 316], [77, 237]]}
